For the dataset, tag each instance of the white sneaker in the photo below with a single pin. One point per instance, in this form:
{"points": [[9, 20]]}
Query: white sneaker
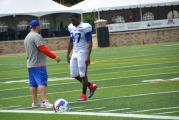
{"points": [[46, 104], [34, 105]]}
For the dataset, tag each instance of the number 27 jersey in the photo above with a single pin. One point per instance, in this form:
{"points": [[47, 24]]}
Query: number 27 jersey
{"points": [[80, 36]]}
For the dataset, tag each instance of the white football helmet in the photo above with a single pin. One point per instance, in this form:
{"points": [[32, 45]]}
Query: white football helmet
{"points": [[61, 106]]}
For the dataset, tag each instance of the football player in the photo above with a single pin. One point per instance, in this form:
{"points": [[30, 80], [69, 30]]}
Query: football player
{"points": [[81, 43]]}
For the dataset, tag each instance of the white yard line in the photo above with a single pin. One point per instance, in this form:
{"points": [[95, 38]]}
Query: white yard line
{"points": [[119, 58], [161, 80], [131, 66], [96, 114], [23, 108], [94, 74], [100, 73], [41, 108], [65, 78], [77, 107], [67, 83], [92, 109], [93, 81], [100, 88], [155, 109], [153, 80], [10, 107], [13, 89], [167, 112], [135, 95], [38, 108], [49, 79], [97, 60], [15, 81], [177, 78], [12, 64], [75, 90], [113, 110]]}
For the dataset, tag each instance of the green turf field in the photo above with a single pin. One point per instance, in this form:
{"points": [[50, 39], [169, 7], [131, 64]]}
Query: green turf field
{"points": [[131, 80]]}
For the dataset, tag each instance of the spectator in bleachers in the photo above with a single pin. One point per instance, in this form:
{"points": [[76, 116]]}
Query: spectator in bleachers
{"points": [[148, 16], [130, 19]]}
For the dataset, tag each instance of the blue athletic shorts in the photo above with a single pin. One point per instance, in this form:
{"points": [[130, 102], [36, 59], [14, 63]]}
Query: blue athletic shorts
{"points": [[37, 76]]}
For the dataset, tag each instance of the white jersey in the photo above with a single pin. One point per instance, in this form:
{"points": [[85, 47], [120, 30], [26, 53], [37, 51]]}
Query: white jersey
{"points": [[80, 36]]}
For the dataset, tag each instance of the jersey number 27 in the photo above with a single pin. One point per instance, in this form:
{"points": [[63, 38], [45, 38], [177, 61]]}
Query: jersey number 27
{"points": [[76, 37]]}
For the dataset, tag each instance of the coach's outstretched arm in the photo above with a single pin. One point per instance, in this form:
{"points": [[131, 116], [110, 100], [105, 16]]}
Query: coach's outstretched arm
{"points": [[48, 53]]}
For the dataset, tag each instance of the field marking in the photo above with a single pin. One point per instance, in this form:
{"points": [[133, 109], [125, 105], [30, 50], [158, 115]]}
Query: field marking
{"points": [[113, 110], [23, 108], [15, 81], [67, 83], [11, 64], [94, 80], [102, 68], [52, 79], [93, 70], [10, 107], [76, 90], [98, 59], [91, 109], [41, 108], [128, 85], [177, 78], [135, 95], [115, 67], [153, 80], [79, 90], [90, 74], [77, 107], [94, 74], [160, 80], [136, 70], [49, 79], [119, 58], [155, 109], [30, 108], [162, 113], [134, 66], [95, 114]]}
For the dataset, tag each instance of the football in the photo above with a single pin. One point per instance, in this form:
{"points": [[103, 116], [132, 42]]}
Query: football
{"points": [[61, 105]]}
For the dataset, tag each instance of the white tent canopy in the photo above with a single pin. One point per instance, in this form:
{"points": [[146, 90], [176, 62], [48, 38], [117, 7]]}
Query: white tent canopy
{"points": [[155, 3], [31, 7], [104, 5]]}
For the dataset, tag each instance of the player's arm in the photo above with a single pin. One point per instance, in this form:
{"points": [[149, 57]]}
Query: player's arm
{"points": [[70, 47], [88, 37], [47, 52], [89, 53]]}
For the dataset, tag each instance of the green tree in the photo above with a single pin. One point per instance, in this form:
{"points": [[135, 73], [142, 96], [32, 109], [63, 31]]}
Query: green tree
{"points": [[89, 18]]}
